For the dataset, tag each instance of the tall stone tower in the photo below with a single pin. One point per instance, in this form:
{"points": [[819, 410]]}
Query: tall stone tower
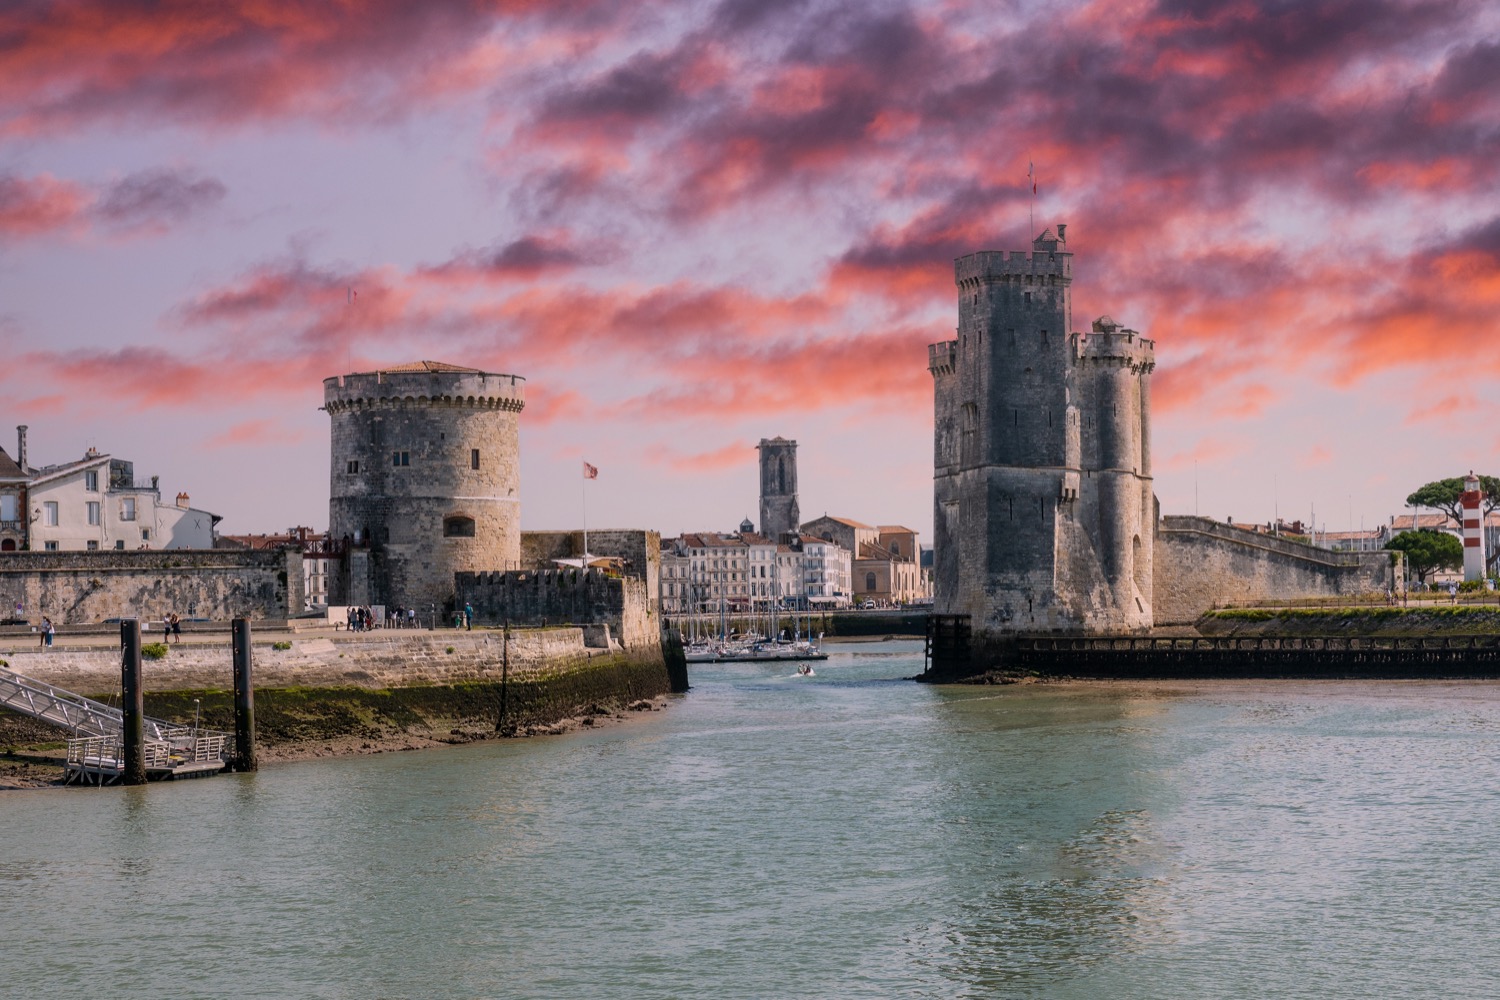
{"points": [[425, 480], [1043, 511], [778, 487]]}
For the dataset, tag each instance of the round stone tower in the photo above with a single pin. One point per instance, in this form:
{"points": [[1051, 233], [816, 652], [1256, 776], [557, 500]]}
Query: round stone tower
{"points": [[425, 480]]}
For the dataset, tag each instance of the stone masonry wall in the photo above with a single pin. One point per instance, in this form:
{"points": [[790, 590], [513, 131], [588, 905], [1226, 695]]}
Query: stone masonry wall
{"points": [[72, 587], [1202, 564], [378, 659], [640, 549], [413, 452], [373, 685], [571, 596]]}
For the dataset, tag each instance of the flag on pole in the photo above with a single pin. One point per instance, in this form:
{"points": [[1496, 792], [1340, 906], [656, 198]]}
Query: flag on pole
{"points": [[589, 472], [352, 295], [1031, 175]]}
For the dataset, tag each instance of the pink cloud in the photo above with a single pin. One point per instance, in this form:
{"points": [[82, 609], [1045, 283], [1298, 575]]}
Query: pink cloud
{"points": [[30, 206], [1315, 456], [736, 455], [253, 433]]}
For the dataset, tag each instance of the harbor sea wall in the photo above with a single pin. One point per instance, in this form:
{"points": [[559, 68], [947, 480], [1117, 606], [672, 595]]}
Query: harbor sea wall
{"points": [[374, 686], [71, 587], [1202, 564]]}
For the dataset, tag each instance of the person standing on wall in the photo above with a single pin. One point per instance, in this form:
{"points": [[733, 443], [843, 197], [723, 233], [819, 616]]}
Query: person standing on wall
{"points": [[468, 616]]}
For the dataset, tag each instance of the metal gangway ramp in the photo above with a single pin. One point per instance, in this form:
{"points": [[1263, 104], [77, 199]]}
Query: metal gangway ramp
{"points": [[96, 750]]}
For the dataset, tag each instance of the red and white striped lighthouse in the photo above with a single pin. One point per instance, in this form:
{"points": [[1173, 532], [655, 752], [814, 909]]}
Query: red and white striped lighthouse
{"points": [[1470, 507]]}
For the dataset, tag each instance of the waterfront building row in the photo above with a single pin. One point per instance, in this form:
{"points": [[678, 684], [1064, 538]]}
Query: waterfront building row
{"points": [[92, 504], [746, 571], [831, 562]]}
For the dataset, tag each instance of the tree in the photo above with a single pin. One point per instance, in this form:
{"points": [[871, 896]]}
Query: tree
{"points": [[1444, 493], [1427, 550]]}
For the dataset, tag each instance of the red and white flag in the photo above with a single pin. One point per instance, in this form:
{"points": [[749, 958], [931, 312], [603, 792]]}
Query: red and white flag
{"points": [[589, 472]]}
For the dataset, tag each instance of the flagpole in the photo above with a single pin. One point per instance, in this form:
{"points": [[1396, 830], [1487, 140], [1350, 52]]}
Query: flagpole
{"points": [[585, 494], [1031, 217]]}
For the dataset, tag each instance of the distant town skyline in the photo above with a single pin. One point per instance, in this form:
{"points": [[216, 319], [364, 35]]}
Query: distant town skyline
{"points": [[691, 227]]}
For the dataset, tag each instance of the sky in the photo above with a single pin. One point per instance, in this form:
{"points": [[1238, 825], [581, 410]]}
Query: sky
{"points": [[693, 226]]}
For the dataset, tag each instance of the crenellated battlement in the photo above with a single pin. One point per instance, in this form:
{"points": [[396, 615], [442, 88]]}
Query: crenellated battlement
{"points": [[1046, 263], [450, 387], [942, 357], [1111, 344], [1013, 266]]}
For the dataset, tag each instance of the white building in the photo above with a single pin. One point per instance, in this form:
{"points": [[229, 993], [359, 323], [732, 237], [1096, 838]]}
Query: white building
{"points": [[750, 572], [95, 504], [827, 572]]}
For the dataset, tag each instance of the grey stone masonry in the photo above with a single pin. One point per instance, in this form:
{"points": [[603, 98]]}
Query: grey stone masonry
{"points": [[1043, 509], [1202, 564], [424, 477], [779, 513], [74, 587]]}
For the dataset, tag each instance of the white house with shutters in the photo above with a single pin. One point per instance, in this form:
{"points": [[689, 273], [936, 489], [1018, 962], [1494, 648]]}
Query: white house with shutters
{"points": [[95, 504]]}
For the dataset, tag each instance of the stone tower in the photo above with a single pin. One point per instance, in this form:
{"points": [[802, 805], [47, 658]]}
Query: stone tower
{"points": [[778, 487], [1043, 510], [425, 480]]}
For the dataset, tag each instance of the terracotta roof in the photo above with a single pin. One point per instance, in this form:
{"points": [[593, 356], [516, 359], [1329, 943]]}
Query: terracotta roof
{"points": [[895, 527], [424, 366], [842, 520], [1403, 522]]}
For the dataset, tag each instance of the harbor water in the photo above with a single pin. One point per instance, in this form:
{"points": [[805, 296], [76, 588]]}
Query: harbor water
{"points": [[849, 834]]}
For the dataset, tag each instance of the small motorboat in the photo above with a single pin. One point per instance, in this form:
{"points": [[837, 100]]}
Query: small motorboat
{"points": [[805, 670]]}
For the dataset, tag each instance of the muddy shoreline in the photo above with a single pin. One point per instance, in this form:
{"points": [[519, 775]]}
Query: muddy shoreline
{"points": [[28, 761]]}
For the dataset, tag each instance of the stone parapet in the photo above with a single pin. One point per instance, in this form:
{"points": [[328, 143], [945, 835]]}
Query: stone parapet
{"points": [[990, 266], [71, 587], [1201, 564]]}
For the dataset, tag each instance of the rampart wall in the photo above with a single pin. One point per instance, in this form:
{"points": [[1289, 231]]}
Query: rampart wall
{"points": [[73, 587], [1202, 564], [640, 549], [565, 596]]}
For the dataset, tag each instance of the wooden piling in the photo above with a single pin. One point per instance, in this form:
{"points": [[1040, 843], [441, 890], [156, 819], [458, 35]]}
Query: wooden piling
{"points": [[133, 703], [244, 698], [675, 658]]}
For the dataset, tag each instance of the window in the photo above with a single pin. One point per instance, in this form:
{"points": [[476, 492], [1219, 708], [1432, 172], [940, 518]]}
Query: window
{"points": [[93, 512], [93, 546], [49, 513], [400, 458], [353, 467], [127, 510], [458, 526], [8, 505], [119, 543], [91, 481], [50, 546], [145, 534], [474, 458]]}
